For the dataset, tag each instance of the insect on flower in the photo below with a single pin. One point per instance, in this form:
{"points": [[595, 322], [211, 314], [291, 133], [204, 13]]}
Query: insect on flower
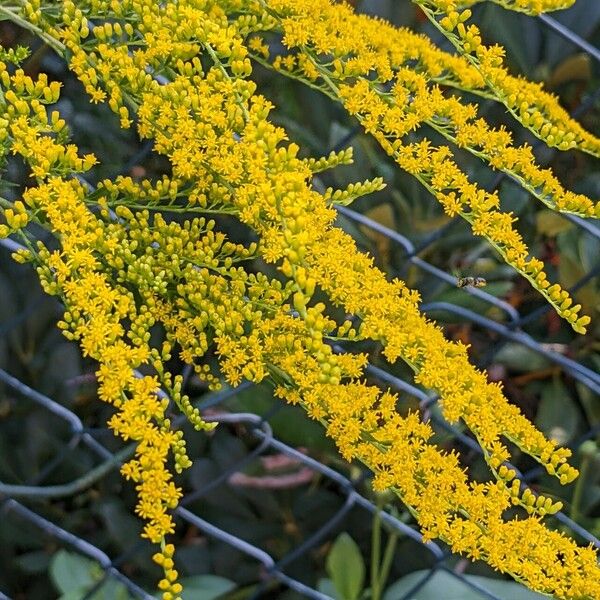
{"points": [[471, 282]]}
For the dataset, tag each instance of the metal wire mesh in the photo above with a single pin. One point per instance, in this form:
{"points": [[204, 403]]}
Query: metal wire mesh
{"points": [[13, 497]]}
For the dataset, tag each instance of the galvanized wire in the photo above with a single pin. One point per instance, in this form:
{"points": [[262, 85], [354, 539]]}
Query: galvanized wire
{"points": [[508, 329]]}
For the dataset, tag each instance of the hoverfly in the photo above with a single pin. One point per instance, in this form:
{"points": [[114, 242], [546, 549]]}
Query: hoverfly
{"points": [[471, 282]]}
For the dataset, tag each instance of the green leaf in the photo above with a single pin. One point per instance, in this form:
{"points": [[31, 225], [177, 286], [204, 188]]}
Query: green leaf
{"points": [[325, 586], [451, 587], [521, 359], [558, 415], [460, 297], [346, 567], [207, 587], [74, 575], [70, 571], [507, 29], [112, 590], [589, 402], [75, 594], [118, 523], [33, 562]]}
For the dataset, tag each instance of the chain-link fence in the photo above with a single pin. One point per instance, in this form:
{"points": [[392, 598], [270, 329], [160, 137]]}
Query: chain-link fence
{"points": [[20, 503]]}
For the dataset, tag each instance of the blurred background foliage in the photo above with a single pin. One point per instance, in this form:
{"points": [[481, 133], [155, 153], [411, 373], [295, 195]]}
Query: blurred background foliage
{"points": [[34, 566]]}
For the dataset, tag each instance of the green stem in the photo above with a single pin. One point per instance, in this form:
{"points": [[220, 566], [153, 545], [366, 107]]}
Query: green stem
{"points": [[57, 46], [388, 555], [291, 75], [575, 512], [376, 553], [69, 489], [168, 208], [222, 68]]}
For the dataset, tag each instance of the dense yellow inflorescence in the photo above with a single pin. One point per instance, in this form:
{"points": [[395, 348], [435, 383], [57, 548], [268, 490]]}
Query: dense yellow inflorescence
{"points": [[122, 259], [535, 108], [378, 82], [530, 7]]}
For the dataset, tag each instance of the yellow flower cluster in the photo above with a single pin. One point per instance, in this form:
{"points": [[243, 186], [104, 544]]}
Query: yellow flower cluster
{"points": [[129, 262], [392, 98], [372, 46], [530, 7], [96, 304], [291, 225], [170, 587], [95, 310], [467, 515], [527, 101]]}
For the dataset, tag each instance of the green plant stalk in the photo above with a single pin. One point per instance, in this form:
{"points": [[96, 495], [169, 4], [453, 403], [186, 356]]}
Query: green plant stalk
{"points": [[575, 512], [72, 488], [388, 556], [376, 553], [55, 44]]}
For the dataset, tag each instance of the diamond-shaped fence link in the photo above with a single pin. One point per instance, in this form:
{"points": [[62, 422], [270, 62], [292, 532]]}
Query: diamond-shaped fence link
{"points": [[15, 500]]}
